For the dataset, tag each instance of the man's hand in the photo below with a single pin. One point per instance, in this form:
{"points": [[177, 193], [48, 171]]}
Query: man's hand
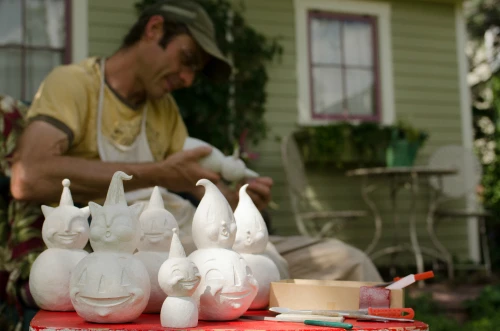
{"points": [[259, 189], [182, 170]]}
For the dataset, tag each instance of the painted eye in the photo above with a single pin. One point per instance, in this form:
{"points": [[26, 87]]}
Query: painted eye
{"points": [[83, 278], [214, 275], [178, 273], [249, 271]]}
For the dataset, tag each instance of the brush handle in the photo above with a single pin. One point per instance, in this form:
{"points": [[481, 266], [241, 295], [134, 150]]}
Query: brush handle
{"points": [[346, 326]]}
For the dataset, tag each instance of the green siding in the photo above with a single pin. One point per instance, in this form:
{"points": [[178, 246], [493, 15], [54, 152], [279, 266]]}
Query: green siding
{"points": [[426, 93]]}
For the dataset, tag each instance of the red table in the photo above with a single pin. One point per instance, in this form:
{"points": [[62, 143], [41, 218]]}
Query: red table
{"points": [[70, 321]]}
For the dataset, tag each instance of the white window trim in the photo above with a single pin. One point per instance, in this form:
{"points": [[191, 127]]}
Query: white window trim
{"points": [[79, 30], [383, 12]]}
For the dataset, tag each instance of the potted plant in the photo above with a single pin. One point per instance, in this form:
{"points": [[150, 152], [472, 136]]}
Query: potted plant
{"points": [[404, 145]]}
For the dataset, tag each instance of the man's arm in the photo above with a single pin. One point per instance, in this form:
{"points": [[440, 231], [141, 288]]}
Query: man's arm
{"points": [[40, 164]]}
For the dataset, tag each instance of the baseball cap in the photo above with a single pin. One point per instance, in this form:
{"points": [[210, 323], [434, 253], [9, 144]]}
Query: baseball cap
{"points": [[201, 28]]}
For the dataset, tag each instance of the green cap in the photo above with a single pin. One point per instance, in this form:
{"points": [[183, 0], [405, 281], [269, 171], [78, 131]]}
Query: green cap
{"points": [[201, 28]]}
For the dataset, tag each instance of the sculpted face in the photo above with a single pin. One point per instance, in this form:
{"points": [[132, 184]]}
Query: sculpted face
{"points": [[114, 227], [65, 227], [227, 287], [179, 277], [107, 287], [156, 230]]}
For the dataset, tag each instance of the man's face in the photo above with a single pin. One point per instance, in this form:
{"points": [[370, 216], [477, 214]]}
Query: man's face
{"points": [[164, 70]]}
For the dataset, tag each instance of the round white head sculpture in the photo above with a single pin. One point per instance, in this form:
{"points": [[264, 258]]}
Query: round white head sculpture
{"points": [[65, 232], [251, 241], [114, 226], [227, 286], [157, 224], [65, 226], [108, 287], [252, 235], [213, 223], [178, 275], [178, 278]]}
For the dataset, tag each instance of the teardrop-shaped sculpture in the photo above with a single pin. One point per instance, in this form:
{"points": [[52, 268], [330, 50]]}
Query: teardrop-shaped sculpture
{"points": [[251, 241], [213, 223]]}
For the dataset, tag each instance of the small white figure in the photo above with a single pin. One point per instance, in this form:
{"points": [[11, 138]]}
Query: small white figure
{"points": [[65, 231], [231, 167], [178, 278], [251, 241], [111, 285], [227, 286], [157, 225]]}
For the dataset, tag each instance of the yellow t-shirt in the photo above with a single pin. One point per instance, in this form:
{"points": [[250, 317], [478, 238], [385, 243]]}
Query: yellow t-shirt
{"points": [[68, 99]]}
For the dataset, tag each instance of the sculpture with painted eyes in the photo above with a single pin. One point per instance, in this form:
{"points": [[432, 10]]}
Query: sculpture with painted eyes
{"points": [[178, 278], [213, 222], [111, 285], [157, 224], [108, 287], [65, 231], [227, 286], [251, 241]]}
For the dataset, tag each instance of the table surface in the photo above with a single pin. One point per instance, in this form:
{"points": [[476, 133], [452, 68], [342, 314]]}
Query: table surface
{"points": [[420, 170], [70, 321]]}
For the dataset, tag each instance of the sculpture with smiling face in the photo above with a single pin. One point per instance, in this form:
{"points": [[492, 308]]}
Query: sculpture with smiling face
{"points": [[157, 225], [251, 241], [65, 231], [108, 287], [111, 285], [178, 278], [227, 287]]}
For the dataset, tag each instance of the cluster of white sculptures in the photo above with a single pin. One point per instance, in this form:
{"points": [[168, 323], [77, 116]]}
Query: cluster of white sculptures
{"points": [[138, 264]]}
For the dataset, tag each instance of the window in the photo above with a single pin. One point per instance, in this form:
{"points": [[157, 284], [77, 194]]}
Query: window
{"points": [[344, 61], [34, 39], [343, 66]]}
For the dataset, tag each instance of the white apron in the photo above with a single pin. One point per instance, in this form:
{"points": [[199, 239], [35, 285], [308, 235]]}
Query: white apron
{"points": [[139, 152]]}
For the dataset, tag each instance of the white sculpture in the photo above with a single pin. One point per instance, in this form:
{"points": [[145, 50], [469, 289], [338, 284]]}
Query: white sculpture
{"points": [[178, 278], [227, 286], [65, 231], [231, 167], [157, 224], [251, 241], [111, 285]]}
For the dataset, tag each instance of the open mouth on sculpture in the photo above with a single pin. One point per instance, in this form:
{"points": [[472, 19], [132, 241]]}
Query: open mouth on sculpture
{"points": [[104, 302], [67, 236], [154, 235], [235, 295], [189, 284]]}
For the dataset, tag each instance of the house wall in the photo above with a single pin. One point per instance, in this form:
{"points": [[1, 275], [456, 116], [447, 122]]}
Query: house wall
{"points": [[426, 88]]}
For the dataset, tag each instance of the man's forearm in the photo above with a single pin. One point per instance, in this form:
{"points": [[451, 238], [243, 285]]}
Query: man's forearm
{"points": [[40, 180]]}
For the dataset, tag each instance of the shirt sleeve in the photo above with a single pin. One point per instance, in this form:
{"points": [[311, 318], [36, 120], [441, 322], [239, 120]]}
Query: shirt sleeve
{"points": [[62, 100], [177, 128]]}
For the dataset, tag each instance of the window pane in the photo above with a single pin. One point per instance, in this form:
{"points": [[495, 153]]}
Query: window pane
{"points": [[38, 65], [45, 23], [358, 43], [10, 67], [10, 22], [327, 92], [360, 92], [325, 41]]}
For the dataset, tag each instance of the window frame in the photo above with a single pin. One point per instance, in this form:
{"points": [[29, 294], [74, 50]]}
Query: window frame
{"points": [[383, 52], [66, 51], [343, 17]]}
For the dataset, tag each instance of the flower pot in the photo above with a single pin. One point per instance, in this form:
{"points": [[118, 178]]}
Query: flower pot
{"points": [[401, 153]]}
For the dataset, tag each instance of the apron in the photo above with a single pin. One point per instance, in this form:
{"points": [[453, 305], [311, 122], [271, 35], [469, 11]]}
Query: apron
{"points": [[139, 152]]}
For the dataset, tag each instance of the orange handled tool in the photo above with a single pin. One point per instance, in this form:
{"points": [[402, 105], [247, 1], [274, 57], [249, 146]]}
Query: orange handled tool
{"points": [[406, 313]]}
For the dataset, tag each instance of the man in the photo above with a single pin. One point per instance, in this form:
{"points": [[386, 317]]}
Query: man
{"points": [[102, 115]]}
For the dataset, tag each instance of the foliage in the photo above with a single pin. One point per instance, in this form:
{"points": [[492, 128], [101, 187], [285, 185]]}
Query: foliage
{"points": [[346, 144], [481, 16], [205, 106]]}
